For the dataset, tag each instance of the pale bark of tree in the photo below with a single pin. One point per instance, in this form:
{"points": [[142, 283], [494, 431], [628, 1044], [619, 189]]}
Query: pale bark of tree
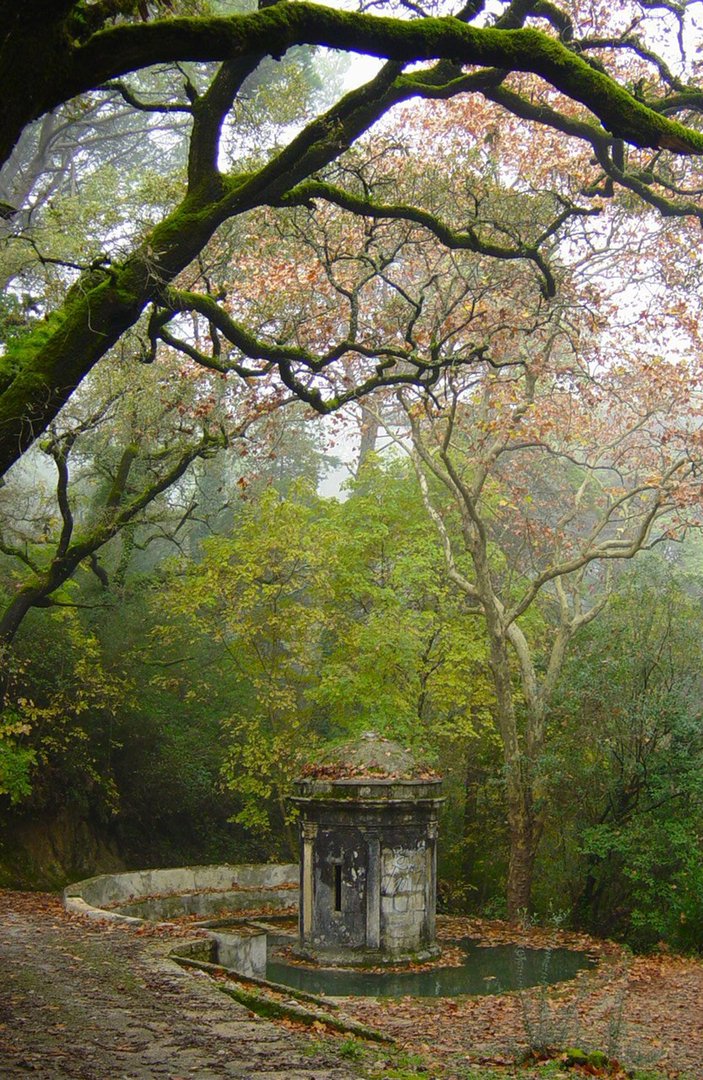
{"points": [[370, 425], [523, 743]]}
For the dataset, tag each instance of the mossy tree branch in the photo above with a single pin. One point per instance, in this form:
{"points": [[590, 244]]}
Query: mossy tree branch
{"points": [[278, 28], [52, 51], [297, 367], [38, 374], [120, 510], [61, 66]]}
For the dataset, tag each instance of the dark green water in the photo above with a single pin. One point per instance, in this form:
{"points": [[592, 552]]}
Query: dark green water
{"points": [[491, 970]]}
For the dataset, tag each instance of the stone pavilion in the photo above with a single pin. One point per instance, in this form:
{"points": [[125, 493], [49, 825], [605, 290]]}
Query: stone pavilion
{"points": [[368, 837]]}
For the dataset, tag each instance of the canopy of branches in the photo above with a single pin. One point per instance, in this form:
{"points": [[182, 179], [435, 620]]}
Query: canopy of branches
{"points": [[566, 106]]}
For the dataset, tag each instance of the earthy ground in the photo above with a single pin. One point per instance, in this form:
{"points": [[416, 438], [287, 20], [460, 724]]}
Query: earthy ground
{"points": [[646, 1012], [96, 1002], [101, 1002]]}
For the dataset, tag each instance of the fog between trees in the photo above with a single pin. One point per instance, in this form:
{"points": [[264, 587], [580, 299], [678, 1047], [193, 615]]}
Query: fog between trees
{"points": [[491, 258]]}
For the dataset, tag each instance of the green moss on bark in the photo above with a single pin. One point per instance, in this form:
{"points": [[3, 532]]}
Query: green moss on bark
{"points": [[275, 29]]}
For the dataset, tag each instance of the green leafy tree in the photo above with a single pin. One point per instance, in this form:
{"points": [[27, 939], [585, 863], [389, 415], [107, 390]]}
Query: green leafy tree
{"points": [[257, 596], [630, 743], [328, 622], [405, 657], [115, 454], [61, 718], [173, 808], [16, 758], [400, 651]]}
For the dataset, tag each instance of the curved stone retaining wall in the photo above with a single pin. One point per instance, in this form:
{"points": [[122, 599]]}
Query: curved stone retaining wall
{"points": [[186, 890]]}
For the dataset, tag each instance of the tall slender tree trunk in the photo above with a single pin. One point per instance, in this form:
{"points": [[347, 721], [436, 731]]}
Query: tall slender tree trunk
{"points": [[523, 850], [468, 823], [370, 425], [522, 824]]}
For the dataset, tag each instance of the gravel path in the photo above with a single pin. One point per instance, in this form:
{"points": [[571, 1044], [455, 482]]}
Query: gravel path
{"points": [[102, 1003]]}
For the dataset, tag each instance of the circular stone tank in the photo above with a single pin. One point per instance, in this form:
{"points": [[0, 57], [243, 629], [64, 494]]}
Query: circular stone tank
{"points": [[368, 837]]}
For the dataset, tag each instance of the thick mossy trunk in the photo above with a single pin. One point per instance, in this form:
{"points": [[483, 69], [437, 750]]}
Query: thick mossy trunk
{"points": [[14, 613], [40, 372]]}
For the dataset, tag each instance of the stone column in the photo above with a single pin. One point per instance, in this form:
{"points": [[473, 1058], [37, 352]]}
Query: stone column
{"points": [[373, 892], [431, 880], [307, 881]]}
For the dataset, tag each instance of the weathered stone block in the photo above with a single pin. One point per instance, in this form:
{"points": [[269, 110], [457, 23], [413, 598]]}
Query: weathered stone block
{"points": [[246, 954]]}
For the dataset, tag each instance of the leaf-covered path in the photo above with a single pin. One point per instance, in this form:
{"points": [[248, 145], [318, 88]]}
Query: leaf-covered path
{"points": [[644, 1011], [90, 1002]]}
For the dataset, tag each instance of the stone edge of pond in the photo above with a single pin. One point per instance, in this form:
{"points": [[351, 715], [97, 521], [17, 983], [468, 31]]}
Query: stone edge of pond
{"points": [[86, 897], [230, 983], [94, 897]]}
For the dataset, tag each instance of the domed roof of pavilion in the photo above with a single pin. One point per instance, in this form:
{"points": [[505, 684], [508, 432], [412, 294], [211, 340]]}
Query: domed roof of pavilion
{"points": [[370, 757]]}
